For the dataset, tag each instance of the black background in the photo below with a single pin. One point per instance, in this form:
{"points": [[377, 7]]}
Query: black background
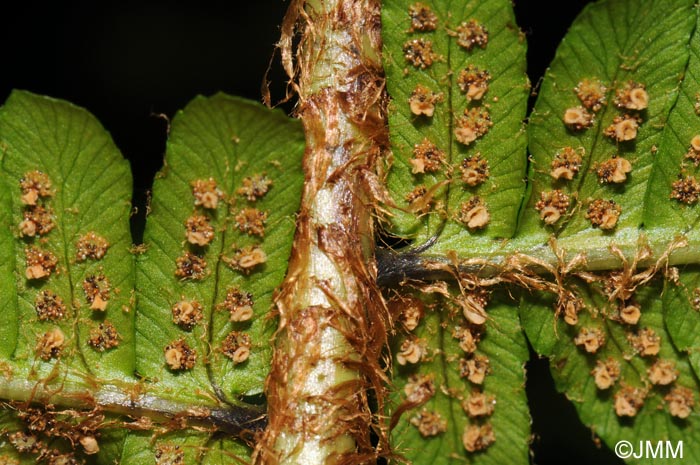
{"points": [[127, 63]]}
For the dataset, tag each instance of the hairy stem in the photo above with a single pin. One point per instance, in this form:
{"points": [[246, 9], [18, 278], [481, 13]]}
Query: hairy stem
{"points": [[332, 320], [645, 249], [126, 400]]}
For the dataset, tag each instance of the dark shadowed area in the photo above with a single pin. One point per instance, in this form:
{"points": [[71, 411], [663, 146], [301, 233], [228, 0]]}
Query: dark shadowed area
{"points": [[134, 64]]}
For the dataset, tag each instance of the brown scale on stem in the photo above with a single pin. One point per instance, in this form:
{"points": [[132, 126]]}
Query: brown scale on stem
{"points": [[318, 408]]}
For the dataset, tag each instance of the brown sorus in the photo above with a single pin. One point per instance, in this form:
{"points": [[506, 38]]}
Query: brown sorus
{"points": [[419, 53], [50, 344], [239, 304], [39, 263], [603, 213], [97, 289], [474, 213], [198, 230], [591, 93], [591, 339], [475, 170], [423, 100], [427, 158], [632, 96], [613, 170], [475, 123], [38, 221], [566, 164], [251, 221], [104, 336], [180, 356], [623, 128], [686, 190], [552, 205], [578, 118], [470, 34], [206, 193], [187, 313], [423, 19], [606, 373], [236, 346], [49, 306], [91, 245], [478, 437], [190, 266], [473, 82], [34, 185], [429, 423], [254, 187]]}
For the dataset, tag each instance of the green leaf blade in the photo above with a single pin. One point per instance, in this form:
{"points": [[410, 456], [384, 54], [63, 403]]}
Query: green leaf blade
{"points": [[226, 139], [671, 164], [604, 44], [91, 194], [406, 128], [572, 367], [501, 146], [503, 343]]}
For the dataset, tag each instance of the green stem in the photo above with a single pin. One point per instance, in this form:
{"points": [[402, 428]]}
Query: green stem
{"points": [[126, 400], [332, 327], [647, 249]]}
